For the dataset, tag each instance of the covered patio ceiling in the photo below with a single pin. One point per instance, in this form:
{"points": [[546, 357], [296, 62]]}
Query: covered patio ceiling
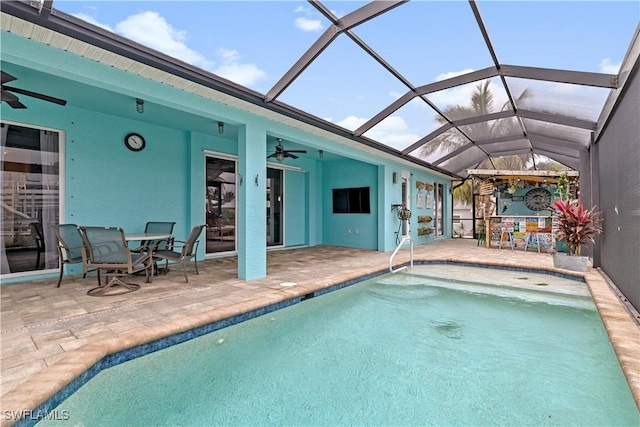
{"points": [[515, 109]]}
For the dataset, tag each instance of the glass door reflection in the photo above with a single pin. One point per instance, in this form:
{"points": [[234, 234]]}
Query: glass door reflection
{"points": [[274, 207], [221, 205]]}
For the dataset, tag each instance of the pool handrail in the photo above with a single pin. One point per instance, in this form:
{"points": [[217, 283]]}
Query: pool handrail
{"points": [[406, 238]]}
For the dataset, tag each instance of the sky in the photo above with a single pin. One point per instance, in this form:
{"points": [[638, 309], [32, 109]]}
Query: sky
{"points": [[254, 43]]}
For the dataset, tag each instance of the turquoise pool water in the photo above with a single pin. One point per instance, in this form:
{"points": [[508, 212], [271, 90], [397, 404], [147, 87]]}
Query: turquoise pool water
{"points": [[445, 345]]}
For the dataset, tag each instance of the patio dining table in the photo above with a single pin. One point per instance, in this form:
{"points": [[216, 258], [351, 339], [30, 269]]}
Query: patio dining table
{"points": [[136, 237], [139, 237]]}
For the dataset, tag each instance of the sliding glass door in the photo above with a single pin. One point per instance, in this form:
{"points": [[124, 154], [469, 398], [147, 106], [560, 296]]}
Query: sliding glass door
{"points": [[30, 172], [220, 204], [275, 207]]}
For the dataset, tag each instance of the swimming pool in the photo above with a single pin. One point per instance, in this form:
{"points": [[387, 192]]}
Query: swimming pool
{"points": [[444, 345]]}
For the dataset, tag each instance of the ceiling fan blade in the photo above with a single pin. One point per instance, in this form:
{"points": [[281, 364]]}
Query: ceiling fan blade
{"points": [[36, 95], [296, 151], [16, 104], [272, 155], [6, 77], [293, 156], [12, 100], [8, 96]]}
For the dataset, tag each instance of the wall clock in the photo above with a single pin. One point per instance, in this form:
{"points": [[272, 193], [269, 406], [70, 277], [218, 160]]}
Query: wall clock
{"points": [[135, 142], [537, 199]]}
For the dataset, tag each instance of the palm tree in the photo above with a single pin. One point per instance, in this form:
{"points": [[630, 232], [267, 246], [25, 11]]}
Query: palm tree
{"points": [[481, 103], [463, 193]]}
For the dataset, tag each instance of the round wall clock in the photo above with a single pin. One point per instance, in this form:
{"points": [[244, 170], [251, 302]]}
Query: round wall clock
{"points": [[537, 199], [135, 142]]}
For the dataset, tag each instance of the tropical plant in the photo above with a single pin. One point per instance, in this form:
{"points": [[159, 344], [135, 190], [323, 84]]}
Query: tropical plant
{"points": [[482, 102], [463, 192], [577, 225], [563, 186]]}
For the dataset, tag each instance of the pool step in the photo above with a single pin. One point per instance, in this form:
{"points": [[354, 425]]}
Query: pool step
{"points": [[542, 292]]}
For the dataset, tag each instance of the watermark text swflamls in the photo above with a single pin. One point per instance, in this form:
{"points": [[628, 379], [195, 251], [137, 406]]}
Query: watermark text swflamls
{"points": [[36, 415]]}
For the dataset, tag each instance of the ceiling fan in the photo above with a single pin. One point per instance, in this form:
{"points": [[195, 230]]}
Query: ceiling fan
{"points": [[14, 101], [281, 153]]}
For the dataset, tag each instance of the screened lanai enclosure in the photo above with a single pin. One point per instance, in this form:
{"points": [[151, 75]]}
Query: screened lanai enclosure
{"points": [[444, 86]]}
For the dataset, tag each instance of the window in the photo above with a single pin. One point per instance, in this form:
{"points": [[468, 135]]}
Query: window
{"points": [[351, 200]]}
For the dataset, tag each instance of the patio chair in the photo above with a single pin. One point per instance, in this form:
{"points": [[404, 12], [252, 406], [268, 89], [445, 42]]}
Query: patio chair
{"points": [[156, 227], [189, 250], [70, 246], [106, 250]]}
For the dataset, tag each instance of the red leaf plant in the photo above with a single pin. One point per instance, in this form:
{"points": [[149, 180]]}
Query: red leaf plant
{"points": [[577, 224]]}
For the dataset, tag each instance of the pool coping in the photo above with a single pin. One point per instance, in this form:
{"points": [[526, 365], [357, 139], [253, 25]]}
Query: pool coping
{"points": [[66, 376]]}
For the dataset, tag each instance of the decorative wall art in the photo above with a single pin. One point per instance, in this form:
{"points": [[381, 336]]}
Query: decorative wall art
{"points": [[423, 231], [429, 201], [423, 219], [420, 200]]}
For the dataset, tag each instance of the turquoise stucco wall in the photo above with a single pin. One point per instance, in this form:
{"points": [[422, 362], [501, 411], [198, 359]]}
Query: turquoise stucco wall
{"points": [[393, 195], [106, 184], [351, 230]]}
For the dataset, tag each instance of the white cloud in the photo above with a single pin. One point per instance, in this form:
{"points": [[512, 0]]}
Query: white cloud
{"points": [[451, 74], [234, 70], [152, 30], [306, 24], [459, 95], [352, 122], [606, 66], [395, 95], [303, 9], [392, 131]]}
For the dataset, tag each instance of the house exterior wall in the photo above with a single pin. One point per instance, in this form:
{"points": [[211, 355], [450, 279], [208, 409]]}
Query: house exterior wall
{"points": [[108, 185], [358, 230]]}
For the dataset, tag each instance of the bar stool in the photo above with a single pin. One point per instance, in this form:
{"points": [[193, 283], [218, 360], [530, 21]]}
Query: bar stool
{"points": [[509, 234], [537, 241]]}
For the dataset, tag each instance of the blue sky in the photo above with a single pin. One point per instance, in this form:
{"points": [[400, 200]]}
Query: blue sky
{"points": [[255, 42]]}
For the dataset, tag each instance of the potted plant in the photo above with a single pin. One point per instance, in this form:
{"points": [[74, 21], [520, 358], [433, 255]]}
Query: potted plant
{"points": [[576, 227]]}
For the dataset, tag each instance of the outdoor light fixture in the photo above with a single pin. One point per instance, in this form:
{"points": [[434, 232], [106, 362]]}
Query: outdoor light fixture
{"points": [[220, 127], [321, 153], [139, 105], [279, 156]]}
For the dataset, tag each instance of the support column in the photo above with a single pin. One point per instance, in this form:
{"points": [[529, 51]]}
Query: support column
{"points": [[252, 202]]}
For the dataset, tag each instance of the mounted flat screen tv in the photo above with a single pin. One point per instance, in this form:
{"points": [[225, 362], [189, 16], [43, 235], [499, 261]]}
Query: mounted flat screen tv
{"points": [[351, 200]]}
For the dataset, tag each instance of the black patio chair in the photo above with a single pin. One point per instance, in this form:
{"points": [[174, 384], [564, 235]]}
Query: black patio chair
{"points": [[188, 251], [156, 227], [106, 250], [70, 246]]}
